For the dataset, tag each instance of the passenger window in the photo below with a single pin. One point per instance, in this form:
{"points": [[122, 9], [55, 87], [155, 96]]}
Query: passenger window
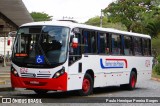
{"points": [[89, 42], [93, 42], [102, 42], [128, 46], [146, 47], [116, 45], [137, 46]]}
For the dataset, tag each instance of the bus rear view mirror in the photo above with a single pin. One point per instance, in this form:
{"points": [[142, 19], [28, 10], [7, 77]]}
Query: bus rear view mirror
{"points": [[74, 42]]}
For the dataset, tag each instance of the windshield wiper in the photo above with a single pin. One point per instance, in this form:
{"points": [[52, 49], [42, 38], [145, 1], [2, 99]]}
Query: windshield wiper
{"points": [[40, 47]]}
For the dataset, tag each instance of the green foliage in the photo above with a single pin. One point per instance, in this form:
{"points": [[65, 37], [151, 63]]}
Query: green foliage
{"points": [[40, 16], [155, 46], [134, 14], [158, 58], [153, 27], [95, 21], [157, 68]]}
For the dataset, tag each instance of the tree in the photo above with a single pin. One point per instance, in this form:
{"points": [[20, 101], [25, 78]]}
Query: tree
{"points": [[40, 16], [131, 13], [95, 21], [153, 27]]}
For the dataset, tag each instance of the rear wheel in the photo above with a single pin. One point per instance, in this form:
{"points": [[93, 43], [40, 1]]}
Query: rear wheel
{"points": [[132, 82], [87, 86], [40, 91]]}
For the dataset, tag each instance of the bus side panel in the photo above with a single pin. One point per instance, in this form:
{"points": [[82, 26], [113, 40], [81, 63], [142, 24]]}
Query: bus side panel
{"points": [[105, 76], [75, 78], [75, 81], [108, 76], [92, 62], [143, 66], [117, 78]]}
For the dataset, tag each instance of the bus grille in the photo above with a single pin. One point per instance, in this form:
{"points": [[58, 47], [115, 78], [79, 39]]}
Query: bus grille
{"points": [[33, 75]]}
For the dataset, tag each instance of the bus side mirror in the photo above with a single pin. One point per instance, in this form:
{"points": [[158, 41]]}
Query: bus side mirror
{"points": [[74, 42]]}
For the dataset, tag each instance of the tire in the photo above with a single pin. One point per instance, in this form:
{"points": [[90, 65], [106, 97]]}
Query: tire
{"points": [[87, 86], [40, 91], [132, 82]]}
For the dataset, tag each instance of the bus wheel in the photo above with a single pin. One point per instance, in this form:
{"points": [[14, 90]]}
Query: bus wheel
{"points": [[132, 82], [87, 86], [40, 91]]}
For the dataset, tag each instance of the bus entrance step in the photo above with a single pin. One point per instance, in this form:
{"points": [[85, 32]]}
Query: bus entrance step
{"points": [[4, 78], [4, 75]]}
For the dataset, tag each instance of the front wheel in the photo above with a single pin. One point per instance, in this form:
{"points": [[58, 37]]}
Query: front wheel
{"points": [[87, 86]]}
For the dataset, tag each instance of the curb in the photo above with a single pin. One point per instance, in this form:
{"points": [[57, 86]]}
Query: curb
{"points": [[6, 89], [2, 82], [155, 79]]}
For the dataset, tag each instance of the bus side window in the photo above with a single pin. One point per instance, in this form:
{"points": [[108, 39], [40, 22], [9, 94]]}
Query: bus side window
{"points": [[128, 46], [108, 43], [116, 45], [137, 46], [84, 43], [93, 42], [146, 47], [102, 43], [149, 46], [88, 41]]}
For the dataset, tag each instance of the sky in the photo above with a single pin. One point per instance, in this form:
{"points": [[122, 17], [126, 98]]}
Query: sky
{"points": [[79, 10]]}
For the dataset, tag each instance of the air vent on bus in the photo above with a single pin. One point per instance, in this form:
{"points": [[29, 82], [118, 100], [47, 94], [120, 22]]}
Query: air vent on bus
{"points": [[69, 21], [33, 75]]}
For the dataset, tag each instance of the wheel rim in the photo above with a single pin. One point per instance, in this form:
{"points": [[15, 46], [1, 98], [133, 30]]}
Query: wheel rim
{"points": [[86, 85], [133, 81]]}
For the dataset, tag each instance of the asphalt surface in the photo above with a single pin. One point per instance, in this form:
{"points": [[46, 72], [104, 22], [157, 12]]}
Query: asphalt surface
{"points": [[149, 88]]}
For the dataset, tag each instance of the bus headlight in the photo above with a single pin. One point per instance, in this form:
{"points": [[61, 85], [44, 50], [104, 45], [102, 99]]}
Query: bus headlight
{"points": [[14, 71], [59, 73]]}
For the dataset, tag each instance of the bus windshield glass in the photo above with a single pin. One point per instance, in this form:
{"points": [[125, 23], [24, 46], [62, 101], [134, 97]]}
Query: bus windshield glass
{"points": [[41, 46]]}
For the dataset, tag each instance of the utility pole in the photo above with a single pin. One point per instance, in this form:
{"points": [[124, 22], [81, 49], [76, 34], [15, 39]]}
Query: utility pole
{"points": [[6, 30], [4, 60], [101, 17]]}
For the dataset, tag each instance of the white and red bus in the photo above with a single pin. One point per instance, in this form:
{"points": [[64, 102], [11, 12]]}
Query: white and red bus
{"points": [[64, 56]]}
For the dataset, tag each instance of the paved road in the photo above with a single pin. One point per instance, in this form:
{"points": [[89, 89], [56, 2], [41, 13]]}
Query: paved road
{"points": [[147, 88]]}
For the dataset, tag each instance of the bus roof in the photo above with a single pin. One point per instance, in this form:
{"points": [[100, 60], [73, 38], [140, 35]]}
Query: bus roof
{"points": [[74, 25]]}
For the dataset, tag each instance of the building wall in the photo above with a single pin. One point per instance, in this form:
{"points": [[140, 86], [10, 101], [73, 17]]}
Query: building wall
{"points": [[6, 26]]}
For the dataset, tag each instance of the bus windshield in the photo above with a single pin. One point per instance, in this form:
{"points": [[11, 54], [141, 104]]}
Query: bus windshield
{"points": [[40, 46]]}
